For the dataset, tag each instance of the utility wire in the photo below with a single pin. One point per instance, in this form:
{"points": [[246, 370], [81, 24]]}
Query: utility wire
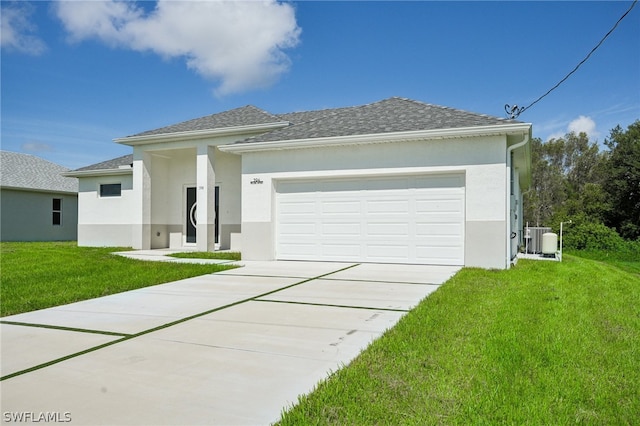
{"points": [[514, 111]]}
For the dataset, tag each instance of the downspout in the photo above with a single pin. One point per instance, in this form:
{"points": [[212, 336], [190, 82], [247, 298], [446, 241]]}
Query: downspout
{"points": [[510, 149]]}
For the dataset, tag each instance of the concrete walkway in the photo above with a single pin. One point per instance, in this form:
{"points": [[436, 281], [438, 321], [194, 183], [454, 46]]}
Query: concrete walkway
{"points": [[164, 255], [235, 347]]}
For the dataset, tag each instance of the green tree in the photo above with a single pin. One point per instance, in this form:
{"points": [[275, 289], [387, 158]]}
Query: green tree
{"points": [[622, 184], [547, 184], [567, 176]]}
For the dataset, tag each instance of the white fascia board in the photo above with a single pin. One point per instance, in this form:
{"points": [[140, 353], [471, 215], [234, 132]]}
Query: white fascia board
{"points": [[200, 134], [47, 191], [99, 172], [462, 132]]}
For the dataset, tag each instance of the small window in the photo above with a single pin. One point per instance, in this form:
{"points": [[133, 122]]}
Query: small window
{"points": [[57, 211], [110, 190]]}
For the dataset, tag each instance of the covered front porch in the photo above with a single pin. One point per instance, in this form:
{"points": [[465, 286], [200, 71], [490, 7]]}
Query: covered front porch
{"points": [[185, 197]]}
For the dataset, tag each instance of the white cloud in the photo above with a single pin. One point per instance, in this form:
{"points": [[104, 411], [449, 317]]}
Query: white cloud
{"points": [[583, 124], [16, 31], [240, 44]]}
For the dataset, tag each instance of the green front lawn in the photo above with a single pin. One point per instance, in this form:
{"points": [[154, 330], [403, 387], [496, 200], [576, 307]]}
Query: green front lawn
{"points": [[222, 255], [40, 275], [542, 343]]}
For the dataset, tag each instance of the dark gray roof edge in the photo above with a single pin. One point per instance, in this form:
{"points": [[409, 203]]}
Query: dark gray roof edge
{"points": [[320, 113], [114, 163], [232, 118], [319, 122], [492, 117]]}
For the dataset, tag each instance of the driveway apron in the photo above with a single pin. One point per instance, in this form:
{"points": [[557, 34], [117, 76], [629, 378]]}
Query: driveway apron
{"points": [[235, 347]]}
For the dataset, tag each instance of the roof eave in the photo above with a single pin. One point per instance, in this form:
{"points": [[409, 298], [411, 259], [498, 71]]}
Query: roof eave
{"points": [[201, 134], [48, 191], [99, 172], [461, 132]]}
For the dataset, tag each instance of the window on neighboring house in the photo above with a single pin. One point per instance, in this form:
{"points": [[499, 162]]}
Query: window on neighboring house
{"points": [[110, 190], [57, 211]]}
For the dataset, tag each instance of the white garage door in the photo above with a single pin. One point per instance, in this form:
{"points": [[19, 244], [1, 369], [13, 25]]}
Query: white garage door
{"points": [[408, 219]]}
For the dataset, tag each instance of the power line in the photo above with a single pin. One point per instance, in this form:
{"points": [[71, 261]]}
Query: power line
{"points": [[514, 111]]}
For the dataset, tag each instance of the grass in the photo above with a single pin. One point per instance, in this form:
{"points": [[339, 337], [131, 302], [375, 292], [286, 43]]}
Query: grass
{"points": [[542, 343], [226, 255], [626, 260], [41, 275]]}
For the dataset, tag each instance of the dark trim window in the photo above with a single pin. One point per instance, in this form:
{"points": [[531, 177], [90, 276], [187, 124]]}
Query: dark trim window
{"points": [[57, 211], [110, 190]]}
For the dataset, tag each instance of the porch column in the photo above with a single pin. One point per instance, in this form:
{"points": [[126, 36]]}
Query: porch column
{"points": [[141, 223], [206, 211]]}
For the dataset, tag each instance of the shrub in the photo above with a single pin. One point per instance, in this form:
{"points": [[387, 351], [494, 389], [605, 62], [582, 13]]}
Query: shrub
{"points": [[584, 235]]}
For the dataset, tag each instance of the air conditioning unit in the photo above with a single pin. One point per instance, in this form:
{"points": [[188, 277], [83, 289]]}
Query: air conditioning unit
{"points": [[533, 238]]}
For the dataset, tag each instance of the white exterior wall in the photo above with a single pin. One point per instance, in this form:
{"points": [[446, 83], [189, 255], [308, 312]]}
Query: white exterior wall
{"points": [[105, 221], [481, 160], [151, 211]]}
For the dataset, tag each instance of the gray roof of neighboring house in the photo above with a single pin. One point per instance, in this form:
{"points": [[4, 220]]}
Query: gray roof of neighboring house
{"points": [[115, 163], [243, 116], [25, 171], [386, 116]]}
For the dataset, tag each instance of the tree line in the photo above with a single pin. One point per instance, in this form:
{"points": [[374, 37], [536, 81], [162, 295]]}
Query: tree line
{"points": [[573, 179]]}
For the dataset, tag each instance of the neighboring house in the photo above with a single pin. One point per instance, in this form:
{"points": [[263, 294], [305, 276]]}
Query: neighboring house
{"points": [[395, 181], [37, 203]]}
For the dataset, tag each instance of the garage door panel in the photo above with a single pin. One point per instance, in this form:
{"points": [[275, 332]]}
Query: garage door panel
{"points": [[440, 241], [298, 229], [439, 205], [409, 219], [337, 251], [341, 229], [425, 230], [387, 206], [385, 229], [297, 207], [298, 250], [341, 207]]}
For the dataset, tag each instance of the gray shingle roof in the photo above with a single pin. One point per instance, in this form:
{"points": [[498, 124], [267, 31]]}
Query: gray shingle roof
{"points": [[386, 116], [305, 116], [115, 163], [26, 171], [244, 116]]}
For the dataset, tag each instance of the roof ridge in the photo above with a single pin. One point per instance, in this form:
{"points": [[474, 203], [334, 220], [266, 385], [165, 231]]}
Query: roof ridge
{"points": [[279, 115], [455, 109], [112, 163], [226, 115]]}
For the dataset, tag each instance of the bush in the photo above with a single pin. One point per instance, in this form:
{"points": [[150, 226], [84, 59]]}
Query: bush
{"points": [[583, 235]]}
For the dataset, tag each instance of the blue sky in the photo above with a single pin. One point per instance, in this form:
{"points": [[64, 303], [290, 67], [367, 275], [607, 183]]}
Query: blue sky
{"points": [[76, 75]]}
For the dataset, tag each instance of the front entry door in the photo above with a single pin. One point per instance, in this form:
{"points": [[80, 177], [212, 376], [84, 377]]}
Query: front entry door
{"points": [[190, 213]]}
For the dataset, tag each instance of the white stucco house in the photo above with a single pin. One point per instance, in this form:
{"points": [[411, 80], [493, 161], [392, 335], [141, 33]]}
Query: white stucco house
{"points": [[397, 181], [37, 203]]}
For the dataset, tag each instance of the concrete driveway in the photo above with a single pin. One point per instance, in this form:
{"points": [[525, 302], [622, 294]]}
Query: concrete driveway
{"points": [[235, 347]]}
